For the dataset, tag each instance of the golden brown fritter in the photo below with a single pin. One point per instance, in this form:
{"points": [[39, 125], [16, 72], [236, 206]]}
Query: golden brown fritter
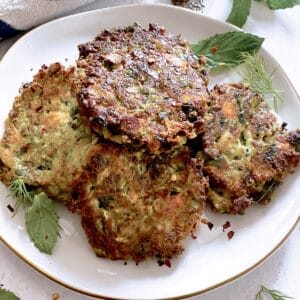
{"points": [[247, 152], [144, 87], [134, 205], [45, 140]]}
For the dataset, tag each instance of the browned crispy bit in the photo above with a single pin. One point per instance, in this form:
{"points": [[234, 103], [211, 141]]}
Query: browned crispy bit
{"points": [[226, 225], [143, 87], [230, 234]]}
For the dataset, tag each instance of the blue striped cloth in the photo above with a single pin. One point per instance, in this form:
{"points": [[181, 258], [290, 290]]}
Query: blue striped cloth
{"points": [[19, 15]]}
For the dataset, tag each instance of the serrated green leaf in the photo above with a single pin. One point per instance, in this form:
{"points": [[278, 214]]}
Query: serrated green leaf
{"points": [[42, 223], [227, 49], [7, 295], [281, 4], [239, 12]]}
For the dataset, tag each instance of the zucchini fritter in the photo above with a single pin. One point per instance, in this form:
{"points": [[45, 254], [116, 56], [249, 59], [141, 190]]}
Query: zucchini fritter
{"points": [[134, 205], [45, 140], [144, 87], [247, 152]]}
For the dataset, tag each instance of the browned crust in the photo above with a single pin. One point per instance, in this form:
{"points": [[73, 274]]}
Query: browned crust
{"points": [[138, 207], [247, 152], [43, 128], [144, 87]]}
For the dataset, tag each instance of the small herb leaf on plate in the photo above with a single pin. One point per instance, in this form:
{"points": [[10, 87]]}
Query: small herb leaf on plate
{"points": [[227, 49], [280, 4], [265, 293], [239, 12], [42, 223], [7, 295]]}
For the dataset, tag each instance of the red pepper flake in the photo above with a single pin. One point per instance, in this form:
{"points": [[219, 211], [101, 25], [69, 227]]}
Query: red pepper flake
{"points": [[11, 209], [193, 236], [43, 130], [230, 234], [168, 263], [226, 225], [214, 49]]}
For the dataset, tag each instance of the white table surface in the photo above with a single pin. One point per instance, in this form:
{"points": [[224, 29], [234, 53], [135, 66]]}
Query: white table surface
{"points": [[281, 271]]}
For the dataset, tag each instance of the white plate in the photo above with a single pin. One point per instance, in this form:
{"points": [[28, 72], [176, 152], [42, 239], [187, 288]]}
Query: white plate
{"points": [[209, 261]]}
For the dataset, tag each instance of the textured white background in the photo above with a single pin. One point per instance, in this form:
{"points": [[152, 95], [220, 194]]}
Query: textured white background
{"points": [[282, 270]]}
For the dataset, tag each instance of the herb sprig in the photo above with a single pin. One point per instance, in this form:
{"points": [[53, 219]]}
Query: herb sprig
{"points": [[19, 191], [241, 9], [226, 49], [265, 293], [40, 215], [259, 80]]}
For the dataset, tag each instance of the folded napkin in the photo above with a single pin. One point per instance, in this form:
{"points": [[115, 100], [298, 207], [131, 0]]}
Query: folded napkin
{"points": [[19, 15]]}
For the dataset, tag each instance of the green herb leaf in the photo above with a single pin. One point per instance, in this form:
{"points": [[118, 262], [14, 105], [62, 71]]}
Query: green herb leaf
{"points": [[239, 12], [42, 223], [281, 4], [19, 191], [265, 293], [227, 49], [259, 80], [7, 295]]}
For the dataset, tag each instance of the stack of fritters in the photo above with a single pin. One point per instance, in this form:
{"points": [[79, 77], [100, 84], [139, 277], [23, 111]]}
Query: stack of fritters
{"points": [[45, 140], [145, 91], [133, 182], [133, 142], [247, 152]]}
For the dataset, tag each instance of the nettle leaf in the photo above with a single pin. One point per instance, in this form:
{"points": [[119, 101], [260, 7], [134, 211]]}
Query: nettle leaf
{"points": [[42, 223], [239, 12], [281, 4], [7, 295], [227, 49]]}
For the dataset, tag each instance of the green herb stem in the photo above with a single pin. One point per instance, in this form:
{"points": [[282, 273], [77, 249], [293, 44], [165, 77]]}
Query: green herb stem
{"points": [[259, 80], [265, 294]]}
